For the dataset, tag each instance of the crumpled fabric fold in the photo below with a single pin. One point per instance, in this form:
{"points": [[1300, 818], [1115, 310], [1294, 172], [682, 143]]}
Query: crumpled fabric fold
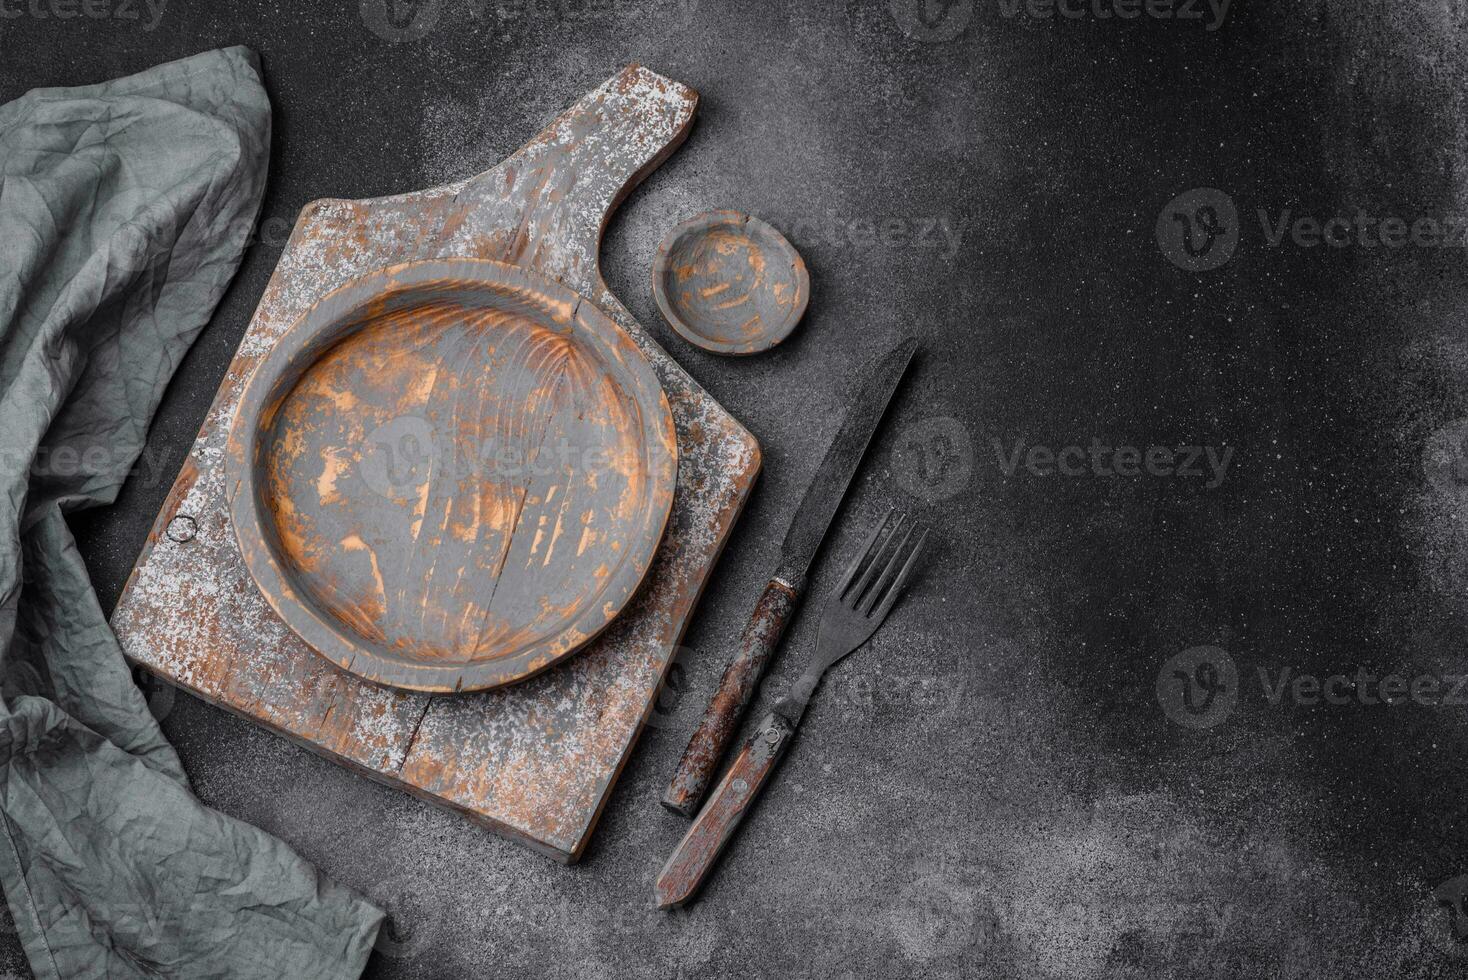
{"points": [[124, 211]]}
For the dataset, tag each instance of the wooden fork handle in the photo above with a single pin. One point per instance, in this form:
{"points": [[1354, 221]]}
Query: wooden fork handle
{"points": [[695, 855], [726, 709]]}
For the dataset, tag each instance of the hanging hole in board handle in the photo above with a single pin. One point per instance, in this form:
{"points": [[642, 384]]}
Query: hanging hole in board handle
{"points": [[182, 528]]}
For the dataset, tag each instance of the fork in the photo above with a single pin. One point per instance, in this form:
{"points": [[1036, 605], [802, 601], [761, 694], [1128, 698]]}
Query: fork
{"points": [[865, 596]]}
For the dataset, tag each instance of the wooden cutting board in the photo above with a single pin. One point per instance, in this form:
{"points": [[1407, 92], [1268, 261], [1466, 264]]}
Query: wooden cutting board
{"points": [[537, 760]]}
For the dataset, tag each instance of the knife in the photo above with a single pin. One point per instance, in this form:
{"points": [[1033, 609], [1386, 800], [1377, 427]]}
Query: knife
{"points": [[783, 592]]}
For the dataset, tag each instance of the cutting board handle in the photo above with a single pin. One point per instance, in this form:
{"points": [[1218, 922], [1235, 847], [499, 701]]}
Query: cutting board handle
{"points": [[545, 206]]}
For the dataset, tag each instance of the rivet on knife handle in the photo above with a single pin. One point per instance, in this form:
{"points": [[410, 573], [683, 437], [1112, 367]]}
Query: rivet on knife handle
{"points": [[689, 866], [736, 688]]}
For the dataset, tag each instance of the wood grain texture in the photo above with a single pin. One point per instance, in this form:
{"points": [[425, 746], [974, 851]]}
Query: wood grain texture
{"points": [[535, 761], [448, 476], [695, 856], [730, 283], [725, 710]]}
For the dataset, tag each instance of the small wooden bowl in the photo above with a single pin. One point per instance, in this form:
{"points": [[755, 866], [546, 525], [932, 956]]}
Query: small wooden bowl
{"points": [[729, 283], [449, 475]]}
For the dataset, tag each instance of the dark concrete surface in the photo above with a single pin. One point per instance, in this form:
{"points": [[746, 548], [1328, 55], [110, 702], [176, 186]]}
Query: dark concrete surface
{"points": [[997, 785]]}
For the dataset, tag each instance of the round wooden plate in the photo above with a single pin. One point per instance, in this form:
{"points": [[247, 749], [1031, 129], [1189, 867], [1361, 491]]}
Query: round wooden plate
{"points": [[730, 283], [449, 475]]}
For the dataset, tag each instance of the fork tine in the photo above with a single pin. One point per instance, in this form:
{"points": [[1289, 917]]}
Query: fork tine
{"points": [[889, 570], [875, 553], [895, 588], [863, 554]]}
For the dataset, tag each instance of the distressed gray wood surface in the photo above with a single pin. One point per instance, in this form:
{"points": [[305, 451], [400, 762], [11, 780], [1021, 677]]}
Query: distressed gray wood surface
{"points": [[535, 761], [450, 475], [729, 283]]}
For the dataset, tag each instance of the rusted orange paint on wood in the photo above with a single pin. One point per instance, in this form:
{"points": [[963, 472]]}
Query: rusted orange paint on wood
{"points": [[729, 283], [537, 760], [725, 710], [695, 856], [449, 475]]}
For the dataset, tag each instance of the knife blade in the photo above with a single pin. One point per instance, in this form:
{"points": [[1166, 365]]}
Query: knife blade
{"points": [[782, 593], [828, 488]]}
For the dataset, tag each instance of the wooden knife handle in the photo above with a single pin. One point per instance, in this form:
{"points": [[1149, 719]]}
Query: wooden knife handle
{"points": [[721, 718], [689, 866]]}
